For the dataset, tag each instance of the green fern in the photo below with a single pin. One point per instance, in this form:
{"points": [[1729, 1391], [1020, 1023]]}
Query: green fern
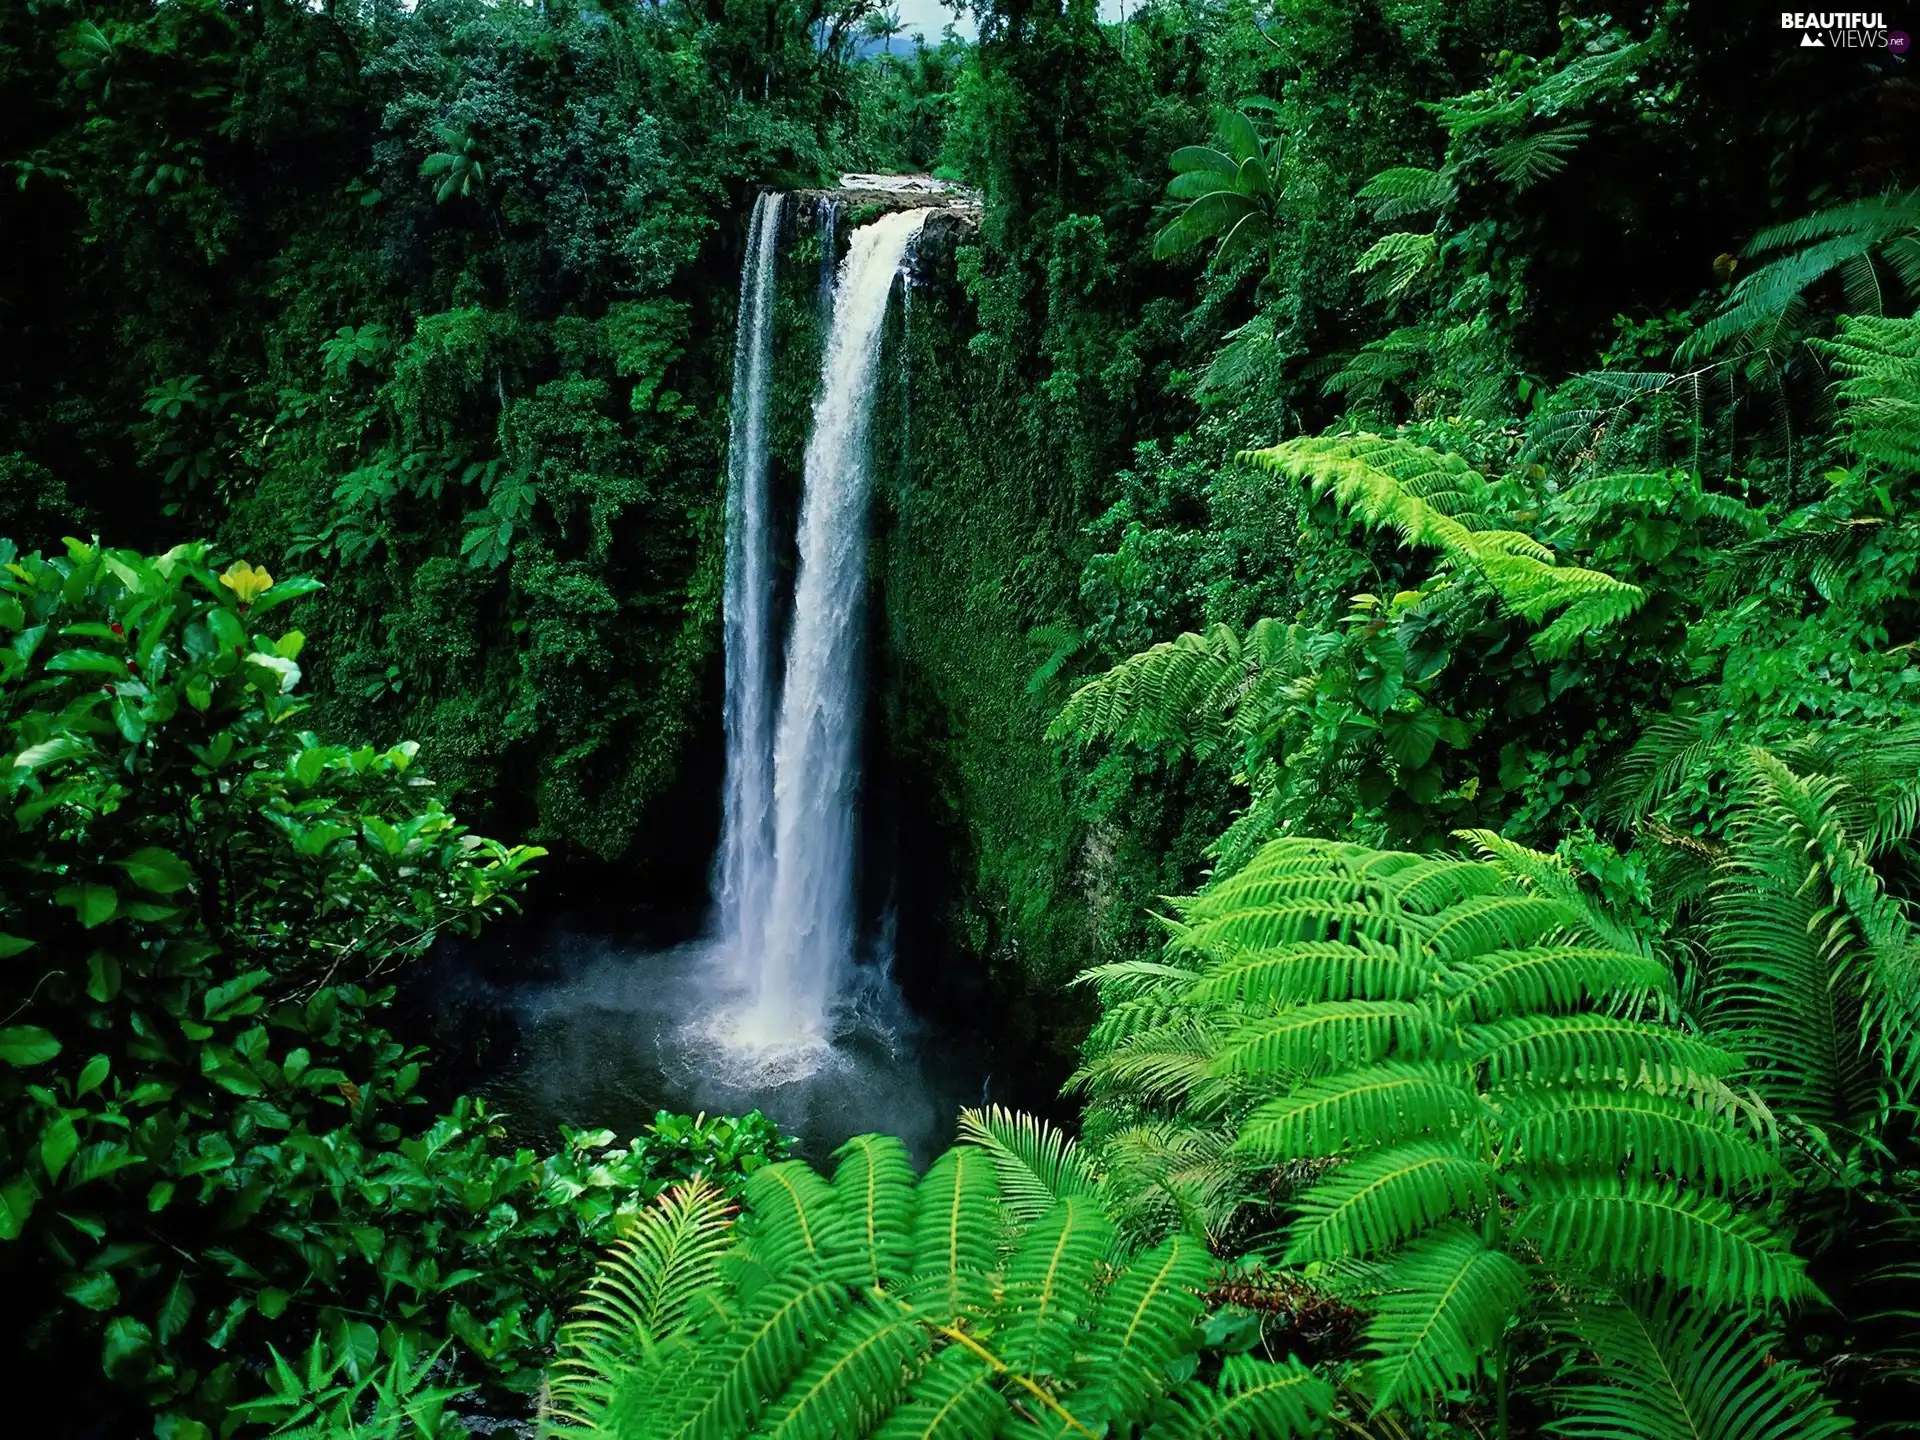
{"points": [[1863, 241], [873, 1303], [1878, 362], [1644, 1367], [1434, 500], [1465, 1085]]}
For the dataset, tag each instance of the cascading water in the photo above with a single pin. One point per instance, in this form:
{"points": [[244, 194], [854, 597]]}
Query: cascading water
{"points": [[808, 938], [744, 870], [768, 1011]]}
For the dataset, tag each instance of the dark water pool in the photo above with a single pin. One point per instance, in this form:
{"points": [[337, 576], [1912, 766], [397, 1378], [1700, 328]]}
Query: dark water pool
{"points": [[593, 1031]]}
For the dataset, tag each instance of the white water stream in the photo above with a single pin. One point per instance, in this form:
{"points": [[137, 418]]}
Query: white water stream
{"points": [[744, 870], [807, 945]]}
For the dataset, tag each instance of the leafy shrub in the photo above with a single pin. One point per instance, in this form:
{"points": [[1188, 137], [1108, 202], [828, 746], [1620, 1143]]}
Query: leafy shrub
{"points": [[205, 1144]]}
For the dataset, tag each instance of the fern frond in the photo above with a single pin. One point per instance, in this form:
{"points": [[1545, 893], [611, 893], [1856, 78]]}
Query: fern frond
{"points": [[1384, 1198], [1380, 1105], [1650, 1368], [1638, 1230], [1038, 1165], [639, 1294], [852, 1380], [956, 1233], [1049, 1283], [954, 1398], [1429, 499], [1587, 1047], [1820, 245], [1145, 1322], [1446, 1301], [1407, 190], [1648, 1132], [1310, 1039], [1256, 1400], [1500, 983], [1393, 262], [1311, 970], [1525, 162], [874, 1185]]}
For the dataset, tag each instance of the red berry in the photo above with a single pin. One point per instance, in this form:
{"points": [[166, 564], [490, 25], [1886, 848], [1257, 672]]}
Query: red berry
{"points": [[117, 628], [132, 669]]}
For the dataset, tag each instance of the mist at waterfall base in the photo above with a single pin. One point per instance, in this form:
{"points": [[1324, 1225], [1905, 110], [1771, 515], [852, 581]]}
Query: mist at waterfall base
{"points": [[785, 1004], [600, 1032]]}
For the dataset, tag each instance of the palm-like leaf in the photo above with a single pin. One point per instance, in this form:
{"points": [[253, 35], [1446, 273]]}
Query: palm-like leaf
{"points": [[1646, 1368], [1454, 1077]]}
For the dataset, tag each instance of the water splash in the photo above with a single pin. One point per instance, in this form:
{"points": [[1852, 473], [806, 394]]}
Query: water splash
{"points": [[807, 942], [744, 872]]}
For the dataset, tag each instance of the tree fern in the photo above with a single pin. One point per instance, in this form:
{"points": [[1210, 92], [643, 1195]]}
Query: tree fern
{"points": [[1434, 500], [1646, 1367], [873, 1303], [1463, 1083], [1850, 239]]}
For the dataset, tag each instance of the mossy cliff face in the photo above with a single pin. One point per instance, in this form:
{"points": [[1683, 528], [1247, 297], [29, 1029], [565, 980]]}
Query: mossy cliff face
{"points": [[1010, 879]]}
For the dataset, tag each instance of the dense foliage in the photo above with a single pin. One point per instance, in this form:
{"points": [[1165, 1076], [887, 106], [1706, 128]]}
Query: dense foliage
{"points": [[208, 1144], [1428, 484]]}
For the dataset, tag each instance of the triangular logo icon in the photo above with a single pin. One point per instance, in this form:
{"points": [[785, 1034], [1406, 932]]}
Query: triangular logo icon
{"points": [[1807, 42]]}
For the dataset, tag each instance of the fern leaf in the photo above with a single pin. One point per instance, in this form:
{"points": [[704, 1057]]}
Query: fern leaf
{"points": [[1037, 1164], [1309, 1039], [1383, 1199], [1447, 1300], [1256, 1400], [1653, 1369], [1625, 1231], [956, 1235], [1550, 977], [1649, 1132], [954, 1398], [1146, 1321], [874, 1185], [852, 1381], [1594, 1047], [1381, 1104], [1049, 1284]]}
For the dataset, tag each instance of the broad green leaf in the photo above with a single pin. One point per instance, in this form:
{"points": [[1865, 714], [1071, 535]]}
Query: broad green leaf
{"points": [[90, 662], [27, 1045], [125, 1352], [93, 1076], [50, 752], [175, 1310], [57, 1144], [158, 870], [97, 1291], [281, 675], [12, 945], [284, 591], [17, 1197], [93, 903], [1409, 739], [103, 976]]}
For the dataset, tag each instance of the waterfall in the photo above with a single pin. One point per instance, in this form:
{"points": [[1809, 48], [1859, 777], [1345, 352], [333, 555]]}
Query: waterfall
{"points": [[745, 868], [827, 215], [807, 942]]}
